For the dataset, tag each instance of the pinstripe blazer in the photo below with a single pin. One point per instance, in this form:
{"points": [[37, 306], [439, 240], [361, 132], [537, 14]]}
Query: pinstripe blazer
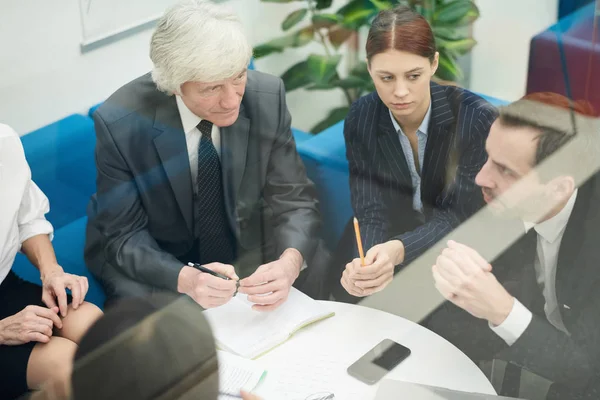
{"points": [[380, 180]]}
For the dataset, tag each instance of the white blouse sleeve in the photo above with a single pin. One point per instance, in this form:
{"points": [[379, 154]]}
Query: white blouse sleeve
{"points": [[31, 219]]}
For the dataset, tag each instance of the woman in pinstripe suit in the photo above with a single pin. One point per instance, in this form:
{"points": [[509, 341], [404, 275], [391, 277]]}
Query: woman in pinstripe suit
{"points": [[414, 148]]}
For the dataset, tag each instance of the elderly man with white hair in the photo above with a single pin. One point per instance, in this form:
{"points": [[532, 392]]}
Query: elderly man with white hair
{"points": [[198, 172]]}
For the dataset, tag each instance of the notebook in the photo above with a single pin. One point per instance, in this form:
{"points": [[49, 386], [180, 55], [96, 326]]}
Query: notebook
{"points": [[237, 373], [240, 330], [391, 390]]}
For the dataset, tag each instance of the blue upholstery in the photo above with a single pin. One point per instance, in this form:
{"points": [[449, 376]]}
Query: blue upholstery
{"points": [[325, 159], [60, 156], [566, 7], [68, 245], [300, 136], [93, 109]]}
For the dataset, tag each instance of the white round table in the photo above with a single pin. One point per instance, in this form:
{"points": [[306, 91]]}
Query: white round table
{"points": [[315, 359]]}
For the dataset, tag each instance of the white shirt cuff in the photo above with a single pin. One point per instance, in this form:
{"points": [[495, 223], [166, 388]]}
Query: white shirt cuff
{"points": [[31, 221], [304, 266], [514, 325], [36, 227]]}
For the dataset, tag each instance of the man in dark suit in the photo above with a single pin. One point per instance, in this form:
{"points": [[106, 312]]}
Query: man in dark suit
{"points": [[545, 315], [196, 163]]}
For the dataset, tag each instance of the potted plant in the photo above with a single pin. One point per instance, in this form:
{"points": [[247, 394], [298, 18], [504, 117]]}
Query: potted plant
{"points": [[313, 21]]}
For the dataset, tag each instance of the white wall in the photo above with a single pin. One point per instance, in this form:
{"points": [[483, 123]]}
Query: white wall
{"points": [[501, 58], [44, 76]]}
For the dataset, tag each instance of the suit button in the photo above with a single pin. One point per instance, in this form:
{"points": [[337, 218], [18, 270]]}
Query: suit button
{"points": [[243, 224]]}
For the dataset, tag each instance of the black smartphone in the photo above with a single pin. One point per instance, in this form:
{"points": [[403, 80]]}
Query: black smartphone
{"points": [[378, 361]]}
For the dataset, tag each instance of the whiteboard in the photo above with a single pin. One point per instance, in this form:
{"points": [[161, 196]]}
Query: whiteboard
{"points": [[108, 20]]}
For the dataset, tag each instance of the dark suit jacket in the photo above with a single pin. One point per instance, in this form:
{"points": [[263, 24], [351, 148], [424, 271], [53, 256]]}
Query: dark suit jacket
{"points": [[571, 361], [141, 219], [380, 181]]}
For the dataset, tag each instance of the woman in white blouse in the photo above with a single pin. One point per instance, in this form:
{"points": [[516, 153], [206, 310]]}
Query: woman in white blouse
{"points": [[39, 329]]}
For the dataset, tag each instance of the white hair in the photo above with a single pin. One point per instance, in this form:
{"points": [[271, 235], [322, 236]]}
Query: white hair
{"points": [[197, 41]]}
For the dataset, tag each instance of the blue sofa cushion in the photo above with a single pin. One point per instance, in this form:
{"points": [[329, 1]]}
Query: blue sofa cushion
{"points": [[324, 156], [61, 159], [300, 136], [93, 109], [66, 202], [68, 244]]}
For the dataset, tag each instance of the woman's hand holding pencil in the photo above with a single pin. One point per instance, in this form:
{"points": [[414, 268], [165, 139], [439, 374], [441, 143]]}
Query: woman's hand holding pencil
{"points": [[372, 272]]}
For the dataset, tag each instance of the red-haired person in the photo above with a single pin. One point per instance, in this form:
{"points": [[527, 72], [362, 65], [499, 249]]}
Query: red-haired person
{"points": [[538, 304], [413, 148]]}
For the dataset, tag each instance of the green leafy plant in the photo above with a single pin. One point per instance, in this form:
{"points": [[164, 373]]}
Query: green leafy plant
{"points": [[315, 22]]}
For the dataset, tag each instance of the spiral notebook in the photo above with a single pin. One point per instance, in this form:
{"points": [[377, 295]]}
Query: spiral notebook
{"points": [[240, 330]]}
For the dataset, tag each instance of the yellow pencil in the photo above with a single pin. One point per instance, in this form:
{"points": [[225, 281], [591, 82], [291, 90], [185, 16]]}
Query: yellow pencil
{"points": [[359, 242]]}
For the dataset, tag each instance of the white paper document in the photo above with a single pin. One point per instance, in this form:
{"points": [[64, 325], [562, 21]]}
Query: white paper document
{"points": [[326, 376], [237, 373], [248, 333]]}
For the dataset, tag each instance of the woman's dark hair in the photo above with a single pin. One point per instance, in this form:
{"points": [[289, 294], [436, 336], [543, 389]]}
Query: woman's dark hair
{"points": [[402, 29], [155, 348]]}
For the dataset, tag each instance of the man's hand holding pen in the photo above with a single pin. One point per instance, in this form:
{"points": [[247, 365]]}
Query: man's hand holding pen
{"points": [[205, 288], [214, 284], [269, 286]]}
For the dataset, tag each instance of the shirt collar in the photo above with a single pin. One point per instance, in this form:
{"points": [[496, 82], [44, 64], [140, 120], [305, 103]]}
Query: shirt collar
{"points": [[423, 128], [552, 228], [189, 120]]}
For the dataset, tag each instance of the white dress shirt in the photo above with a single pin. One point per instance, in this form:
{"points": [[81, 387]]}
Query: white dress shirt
{"points": [[190, 122], [549, 237], [22, 203]]}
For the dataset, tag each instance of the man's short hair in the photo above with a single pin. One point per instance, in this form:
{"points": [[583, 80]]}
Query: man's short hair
{"points": [[197, 41], [558, 121], [552, 114]]}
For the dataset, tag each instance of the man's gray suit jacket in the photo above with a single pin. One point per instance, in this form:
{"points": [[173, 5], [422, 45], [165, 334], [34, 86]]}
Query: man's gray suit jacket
{"points": [[141, 218]]}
